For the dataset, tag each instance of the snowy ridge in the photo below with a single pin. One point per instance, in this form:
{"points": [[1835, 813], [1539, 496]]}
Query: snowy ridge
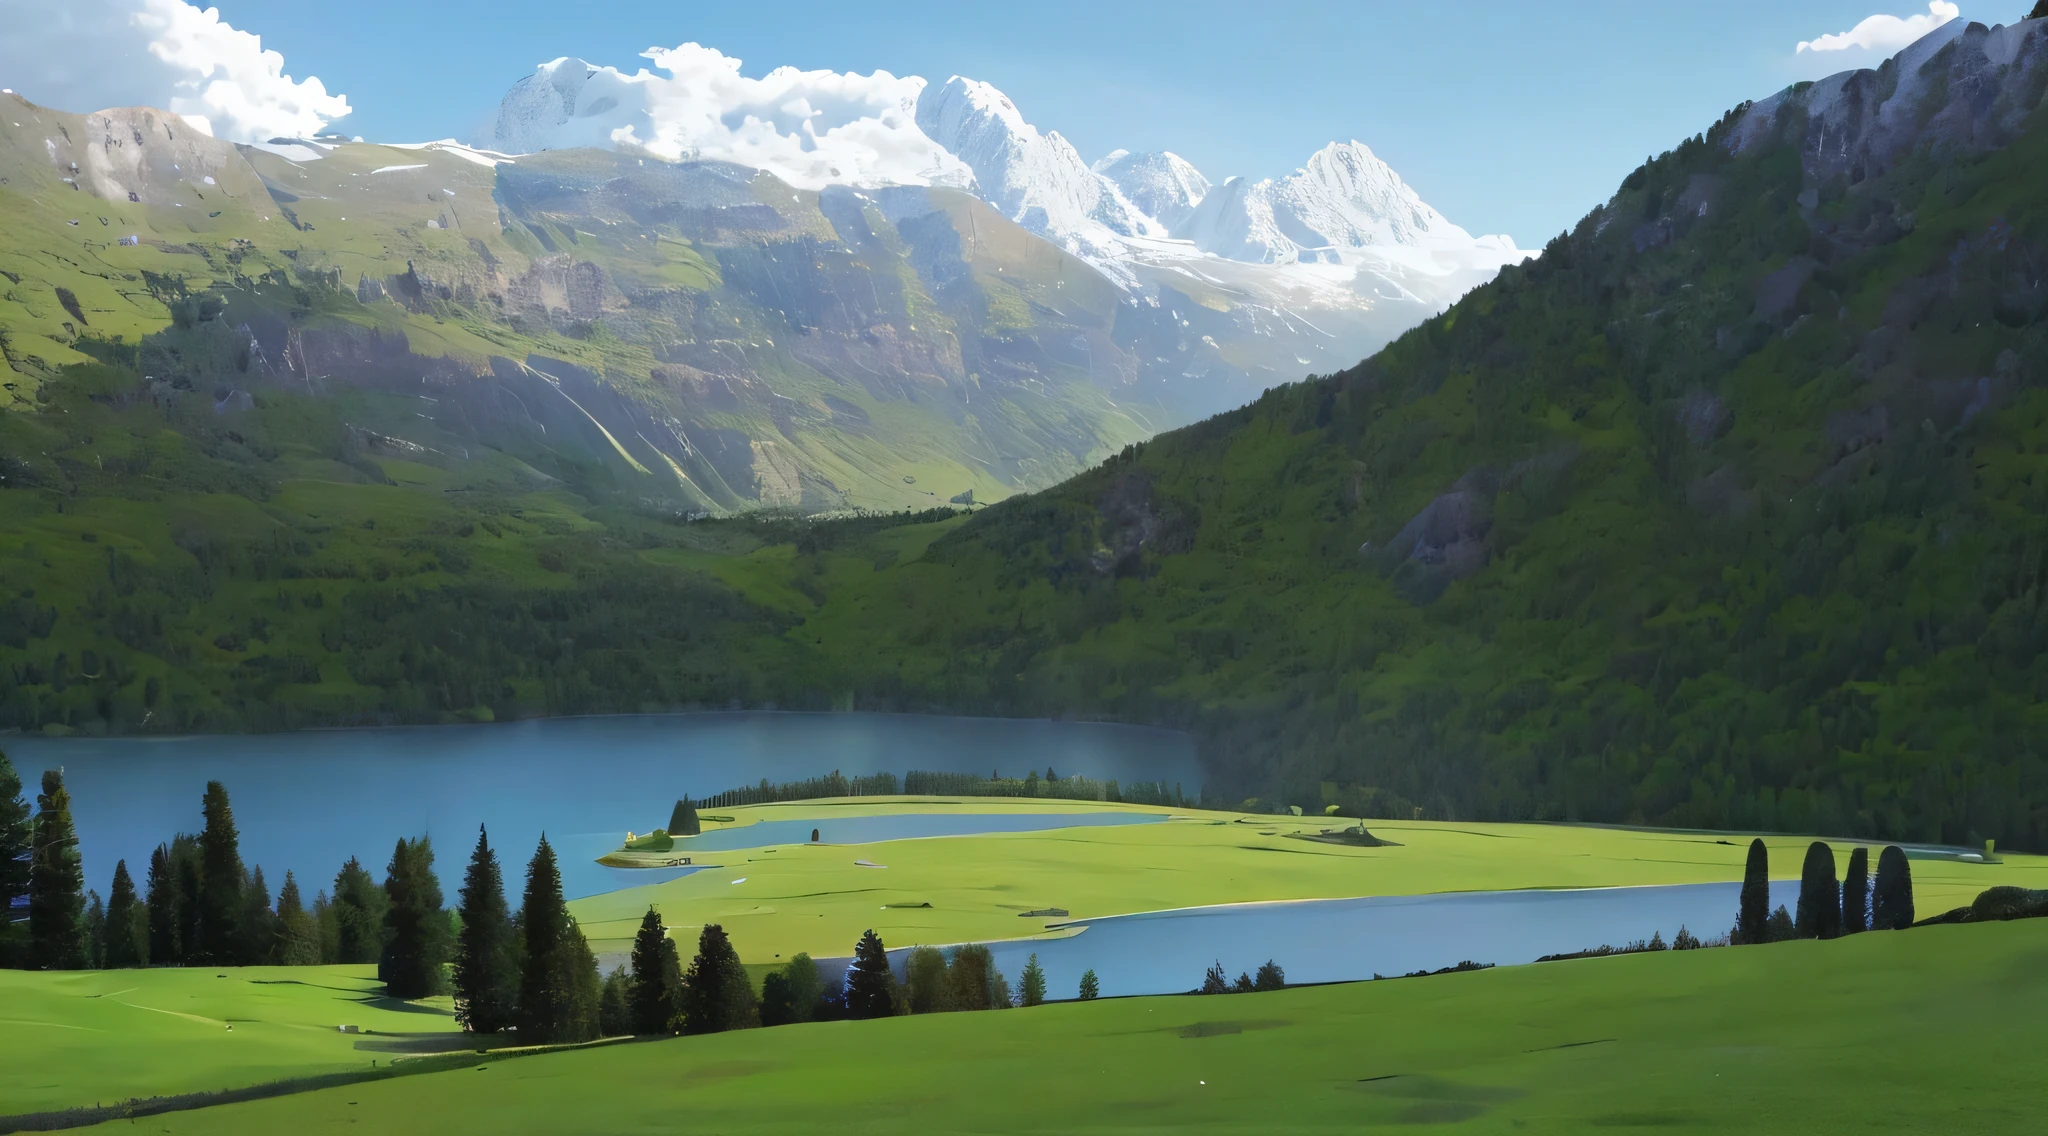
{"points": [[1164, 185]]}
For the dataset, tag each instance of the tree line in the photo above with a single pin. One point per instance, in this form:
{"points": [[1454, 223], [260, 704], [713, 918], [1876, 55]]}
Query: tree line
{"points": [[1827, 908], [918, 782]]}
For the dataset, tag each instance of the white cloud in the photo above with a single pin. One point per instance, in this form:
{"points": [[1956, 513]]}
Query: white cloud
{"points": [[1885, 34], [809, 128], [87, 55]]}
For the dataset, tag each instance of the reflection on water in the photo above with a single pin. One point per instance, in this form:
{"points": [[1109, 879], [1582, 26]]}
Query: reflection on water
{"points": [[307, 801]]}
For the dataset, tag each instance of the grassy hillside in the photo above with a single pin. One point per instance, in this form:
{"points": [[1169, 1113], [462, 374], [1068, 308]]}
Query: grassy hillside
{"points": [[1893, 1032]]}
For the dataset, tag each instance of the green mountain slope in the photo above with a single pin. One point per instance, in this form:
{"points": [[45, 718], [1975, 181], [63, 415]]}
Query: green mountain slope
{"points": [[1728, 512]]}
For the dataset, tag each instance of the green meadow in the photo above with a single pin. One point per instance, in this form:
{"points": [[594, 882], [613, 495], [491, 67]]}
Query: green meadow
{"points": [[1881, 1032], [779, 899], [73, 1038]]}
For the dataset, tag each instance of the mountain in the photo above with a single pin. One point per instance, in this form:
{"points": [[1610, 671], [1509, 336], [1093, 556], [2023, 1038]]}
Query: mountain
{"points": [[1726, 513], [1164, 186]]}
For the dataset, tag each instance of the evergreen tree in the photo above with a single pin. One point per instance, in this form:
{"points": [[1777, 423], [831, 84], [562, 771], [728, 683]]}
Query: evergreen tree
{"points": [[970, 971], [999, 996], [256, 925], [1270, 977], [1856, 893], [927, 985], [653, 997], [415, 925], [1754, 909], [95, 932], [1091, 988], [870, 988], [220, 883], [186, 869], [56, 884], [162, 902], [806, 991], [358, 906], [1214, 981], [2039, 11], [486, 973], [717, 995], [1779, 928], [1243, 985], [326, 927], [615, 1005], [558, 984], [127, 922], [1820, 897], [17, 837], [1892, 898], [777, 1005], [1031, 983], [683, 820], [298, 936]]}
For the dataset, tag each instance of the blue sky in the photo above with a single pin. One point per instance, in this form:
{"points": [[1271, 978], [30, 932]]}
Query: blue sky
{"points": [[1508, 116]]}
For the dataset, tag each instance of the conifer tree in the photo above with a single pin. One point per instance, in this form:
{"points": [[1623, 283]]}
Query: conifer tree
{"points": [[1892, 898], [486, 973], [970, 971], [127, 923], [56, 884], [558, 984], [1243, 985], [256, 925], [927, 984], [326, 927], [1031, 982], [656, 984], [298, 938], [220, 882], [683, 820], [1820, 897], [717, 995], [1779, 928], [1214, 981], [95, 932], [186, 869], [1270, 977], [415, 925], [358, 907], [615, 1005], [1091, 988], [1856, 893], [17, 837], [870, 988], [1754, 909], [162, 903]]}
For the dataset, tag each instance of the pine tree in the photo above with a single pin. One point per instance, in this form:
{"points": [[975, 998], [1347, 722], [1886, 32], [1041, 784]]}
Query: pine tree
{"points": [[656, 984], [1091, 988], [220, 884], [1892, 898], [1856, 893], [298, 937], [95, 932], [1214, 981], [615, 1005], [127, 922], [558, 985], [1031, 983], [17, 837], [415, 925], [970, 971], [256, 925], [326, 927], [1820, 897], [1270, 977], [1779, 928], [870, 988], [683, 820], [486, 973], [927, 986], [162, 902], [1243, 985], [56, 884], [717, 995], [1754, 908], [358, 906], [186, 870]]}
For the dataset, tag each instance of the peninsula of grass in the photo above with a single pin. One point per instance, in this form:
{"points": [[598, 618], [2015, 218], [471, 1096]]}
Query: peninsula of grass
{"points": [[1882, 1032], [73, 1039], [779, 899]]}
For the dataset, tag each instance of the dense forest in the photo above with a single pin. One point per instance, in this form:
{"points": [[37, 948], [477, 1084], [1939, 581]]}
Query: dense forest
{"points": [[1727, 511]]}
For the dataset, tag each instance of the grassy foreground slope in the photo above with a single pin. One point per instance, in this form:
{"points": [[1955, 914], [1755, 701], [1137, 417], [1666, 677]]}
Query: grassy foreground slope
{"points": [[1893, 1032], [817, 898], [74, 1039]]}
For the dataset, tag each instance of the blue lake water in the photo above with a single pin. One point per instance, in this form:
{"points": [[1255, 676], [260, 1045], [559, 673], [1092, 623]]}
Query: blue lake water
{"points": [[1337, 940], [307, 801]]}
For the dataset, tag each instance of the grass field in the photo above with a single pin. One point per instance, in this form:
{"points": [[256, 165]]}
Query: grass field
{"points": [[1893, 1032], [71, 1039], [817, 899]]}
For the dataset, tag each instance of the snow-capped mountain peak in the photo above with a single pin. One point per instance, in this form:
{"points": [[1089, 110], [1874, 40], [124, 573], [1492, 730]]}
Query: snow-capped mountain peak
{"points": [[1162, 185]]}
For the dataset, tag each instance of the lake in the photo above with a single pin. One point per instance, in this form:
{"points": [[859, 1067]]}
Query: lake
{"points": [[1338, 940], [307, 801]]}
